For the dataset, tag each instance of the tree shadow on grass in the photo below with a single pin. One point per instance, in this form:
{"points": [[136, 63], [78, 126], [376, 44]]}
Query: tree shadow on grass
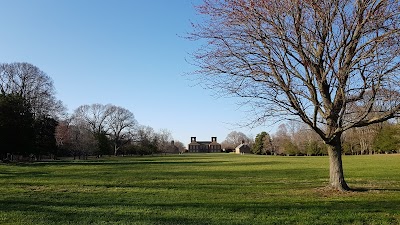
{"points": [[112, 211], [357, 189], [113, 163]]}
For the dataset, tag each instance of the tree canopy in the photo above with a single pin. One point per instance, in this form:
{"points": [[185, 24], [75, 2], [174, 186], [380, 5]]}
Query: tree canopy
{"points": [[332, 64], [32, 84]]}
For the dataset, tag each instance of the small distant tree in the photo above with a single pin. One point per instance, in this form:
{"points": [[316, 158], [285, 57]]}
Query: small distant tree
{"points": [[315, 148], [351, 142], [181, 146], [280, 139], [146, 140], [63, 137], [262, 144], [83, 143], [164, 139]]}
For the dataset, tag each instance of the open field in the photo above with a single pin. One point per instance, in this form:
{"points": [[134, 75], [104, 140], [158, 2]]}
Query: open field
{"points": [[200, 189]]}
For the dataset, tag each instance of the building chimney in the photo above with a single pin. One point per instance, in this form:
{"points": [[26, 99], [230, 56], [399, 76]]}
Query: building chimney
{"points": [[193, 139], [213, 139]]}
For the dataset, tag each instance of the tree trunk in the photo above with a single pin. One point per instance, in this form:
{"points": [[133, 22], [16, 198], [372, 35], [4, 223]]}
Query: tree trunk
{"points": [[336, 176], [115, 150]]}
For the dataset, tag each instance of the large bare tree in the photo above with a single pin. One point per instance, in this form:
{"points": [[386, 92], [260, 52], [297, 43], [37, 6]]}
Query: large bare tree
{"points": [[235, 138], [93, 116], [34, 85], [306, 59], [116, 122], [121, 123]]}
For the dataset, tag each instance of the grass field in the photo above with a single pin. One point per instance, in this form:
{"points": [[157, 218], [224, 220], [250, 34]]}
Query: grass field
{"points": [[200, 189]]}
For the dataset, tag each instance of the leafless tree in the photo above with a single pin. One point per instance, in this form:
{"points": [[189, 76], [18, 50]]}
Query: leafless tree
{"points": [[93, 116], [181, 146], [121, 124], [73, 138], [306, 59], [281, 139], [34, 85], [82, 142], [164, 138], [233, 139], [146, 139], [116, 122]]}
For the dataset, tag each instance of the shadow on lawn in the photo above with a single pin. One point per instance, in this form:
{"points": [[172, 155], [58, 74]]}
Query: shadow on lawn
{"points": [[90, 213], [111, 211], [117, 163], [29, 174], [374, 189]]}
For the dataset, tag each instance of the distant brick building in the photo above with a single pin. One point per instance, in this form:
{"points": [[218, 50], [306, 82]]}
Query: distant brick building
{"points": [[204, 146]]}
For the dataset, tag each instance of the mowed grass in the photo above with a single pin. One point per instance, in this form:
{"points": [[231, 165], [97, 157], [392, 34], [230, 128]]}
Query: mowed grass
{"points": [[200, 189]]}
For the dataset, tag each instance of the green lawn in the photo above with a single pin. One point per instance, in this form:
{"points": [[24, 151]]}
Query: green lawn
{"points": [[200, 189]]}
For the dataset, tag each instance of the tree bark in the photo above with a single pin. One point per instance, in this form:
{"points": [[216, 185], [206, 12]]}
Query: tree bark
{"points": [[336, 175], [116, 150]]}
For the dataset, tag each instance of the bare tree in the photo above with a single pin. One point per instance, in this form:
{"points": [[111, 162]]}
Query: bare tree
{"points": [[116, 122], [233, 139], [306, 59], [146, 139], [181, 147], [121, 123], [164, 138], [93, 116], [29, 82], [82, 142], [281, 139]]}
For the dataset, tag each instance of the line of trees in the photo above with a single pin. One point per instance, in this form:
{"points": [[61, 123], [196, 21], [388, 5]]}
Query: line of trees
{"points": [[110, 130], [297, 139], [31, 124]]}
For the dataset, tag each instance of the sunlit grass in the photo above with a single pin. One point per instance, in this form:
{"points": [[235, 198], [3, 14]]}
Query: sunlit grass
{"points": [[200, 189]]}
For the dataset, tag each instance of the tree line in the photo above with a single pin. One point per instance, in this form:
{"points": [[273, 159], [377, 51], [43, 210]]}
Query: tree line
{"points": [[33, 123], [99, 130], [296, 139]]}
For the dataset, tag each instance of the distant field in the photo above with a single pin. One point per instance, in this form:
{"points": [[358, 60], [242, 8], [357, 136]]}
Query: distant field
{"points": [[200, 189]]}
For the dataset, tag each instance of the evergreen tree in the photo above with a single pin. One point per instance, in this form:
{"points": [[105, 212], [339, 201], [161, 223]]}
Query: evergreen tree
{"points": [[387, 139], [262, 144], [103, 144], [45, 140], [16, 125]]}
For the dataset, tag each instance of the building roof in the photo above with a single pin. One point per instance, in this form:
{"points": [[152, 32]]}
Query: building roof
{"points": [[194, 143], [204, 143], [242, 146]]}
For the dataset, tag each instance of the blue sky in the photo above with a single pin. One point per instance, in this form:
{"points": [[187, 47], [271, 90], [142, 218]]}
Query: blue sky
{"points": [[128, 53]]}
